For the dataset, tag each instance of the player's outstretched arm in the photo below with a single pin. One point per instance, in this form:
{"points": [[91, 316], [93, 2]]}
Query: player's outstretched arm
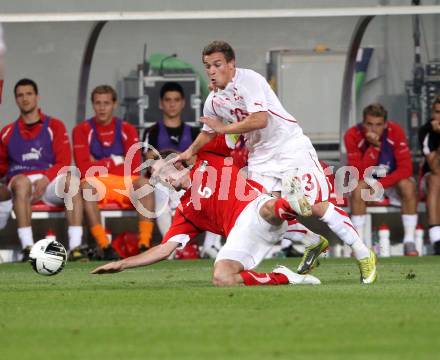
{"points": [[201, 140], [154, 255], [254, 121]]}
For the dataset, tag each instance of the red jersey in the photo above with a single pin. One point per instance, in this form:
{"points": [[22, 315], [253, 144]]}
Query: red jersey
{"points": [[217, 196], [82, 135], [60, 144], [362, 155]]}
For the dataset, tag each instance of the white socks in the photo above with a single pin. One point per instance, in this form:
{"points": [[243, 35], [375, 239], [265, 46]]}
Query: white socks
{"points": [[75, 234], [25, 236], [298, 232], [339, 222], [359, 224], [409, 227]]}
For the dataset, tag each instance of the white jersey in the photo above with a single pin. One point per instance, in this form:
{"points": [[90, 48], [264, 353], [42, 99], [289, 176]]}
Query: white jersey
{"points": [[272, 149]]}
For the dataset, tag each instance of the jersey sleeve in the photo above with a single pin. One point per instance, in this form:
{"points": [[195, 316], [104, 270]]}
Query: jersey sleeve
{"points": [[208, 111], [253, 91], [402, 154], [181, 230]]}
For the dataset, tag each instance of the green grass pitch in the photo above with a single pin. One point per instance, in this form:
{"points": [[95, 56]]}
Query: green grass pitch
{"points": [[171, 311]]}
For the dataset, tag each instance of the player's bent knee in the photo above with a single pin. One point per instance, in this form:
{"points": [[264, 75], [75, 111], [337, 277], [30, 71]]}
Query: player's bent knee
{"points": [[21, 185], [221, 279], [225, 273]]}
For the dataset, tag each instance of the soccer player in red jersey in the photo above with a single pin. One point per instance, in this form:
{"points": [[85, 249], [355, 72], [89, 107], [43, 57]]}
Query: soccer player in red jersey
{"points": [[104, 141], [33, 151], [379, 142], [219, 199]]}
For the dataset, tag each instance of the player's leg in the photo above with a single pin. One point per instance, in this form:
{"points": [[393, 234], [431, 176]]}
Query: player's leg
{"points": [[146, 208], [227, 273], [407, 191], [315, 244], [282, 209], [231, 273], [433, 206], [317, 190], [339, 222], [64, 190], [5, 206], [21, 190], [254, 233], [358, 208]]}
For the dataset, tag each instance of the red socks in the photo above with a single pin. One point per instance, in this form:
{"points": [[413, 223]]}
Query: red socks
{"points": [[251, 278]]}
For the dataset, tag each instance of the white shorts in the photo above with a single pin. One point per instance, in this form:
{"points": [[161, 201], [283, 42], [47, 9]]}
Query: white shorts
{"points": [[393, 195], [166, 204], [49, 197], [252, 237], [316, 186]]}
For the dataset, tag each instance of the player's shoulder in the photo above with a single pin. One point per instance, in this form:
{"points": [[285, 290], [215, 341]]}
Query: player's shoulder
{"points": [[209, 97], [127, 125], [83, 126], [354, 132], [6, 130], [395, 129], [54, 121], [249, 76], [7, 127]]}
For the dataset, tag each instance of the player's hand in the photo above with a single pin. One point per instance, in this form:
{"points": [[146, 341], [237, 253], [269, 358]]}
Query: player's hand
{"points": [[215, 124], [373, 138], [40, 187], [184, 156], [110, 268]]}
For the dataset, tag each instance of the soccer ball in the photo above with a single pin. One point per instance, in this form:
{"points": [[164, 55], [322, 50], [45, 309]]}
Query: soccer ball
{"points": [[48, 257]]}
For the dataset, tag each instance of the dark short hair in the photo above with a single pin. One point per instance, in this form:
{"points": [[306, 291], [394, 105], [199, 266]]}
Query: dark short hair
{"points": [[171, 86], [104, 89], [26, 82], [376, 110], [221, 47]]}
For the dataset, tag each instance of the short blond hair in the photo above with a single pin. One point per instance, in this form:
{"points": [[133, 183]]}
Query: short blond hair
{"points": [[376, 110], [104, 89]]}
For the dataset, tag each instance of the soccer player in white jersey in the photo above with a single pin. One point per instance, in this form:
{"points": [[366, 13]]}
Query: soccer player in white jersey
{"points": [[243, 103]]}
